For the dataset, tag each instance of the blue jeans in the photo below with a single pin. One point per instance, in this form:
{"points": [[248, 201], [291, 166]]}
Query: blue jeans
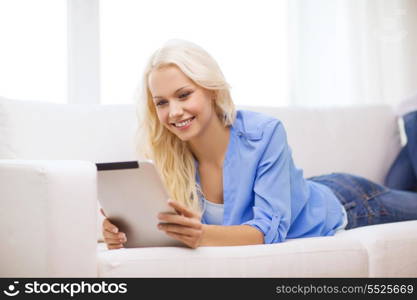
{"points": [[369, 203], [402, 175]]}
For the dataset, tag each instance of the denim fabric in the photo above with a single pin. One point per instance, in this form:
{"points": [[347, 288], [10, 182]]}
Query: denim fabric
{"points": [[369, 203], [402, 175]]}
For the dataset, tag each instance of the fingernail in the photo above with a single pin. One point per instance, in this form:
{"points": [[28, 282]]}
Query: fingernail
{"points": [[115, 230]]}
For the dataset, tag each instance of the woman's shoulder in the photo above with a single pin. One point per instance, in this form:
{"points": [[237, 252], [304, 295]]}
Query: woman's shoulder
{"points": [[253, 123]]}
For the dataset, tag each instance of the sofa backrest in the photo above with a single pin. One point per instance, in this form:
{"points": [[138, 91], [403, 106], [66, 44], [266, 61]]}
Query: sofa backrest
{"points": [[40, 130], [361, 140], [358, 140]]}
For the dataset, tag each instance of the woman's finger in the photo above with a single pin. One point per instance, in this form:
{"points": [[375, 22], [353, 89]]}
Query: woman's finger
{"points": [[115, 238], [113, 241], [182, 209], [184, 239], [181, 220], [173, 228], [118, 246], [109, 226]]}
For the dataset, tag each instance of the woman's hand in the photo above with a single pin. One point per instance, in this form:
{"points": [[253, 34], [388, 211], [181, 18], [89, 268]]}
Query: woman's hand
{"points": [[185, 227], [112, 237]]}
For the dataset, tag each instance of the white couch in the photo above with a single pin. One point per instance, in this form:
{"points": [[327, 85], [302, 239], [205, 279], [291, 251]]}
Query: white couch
{"points": [[50, 226]]}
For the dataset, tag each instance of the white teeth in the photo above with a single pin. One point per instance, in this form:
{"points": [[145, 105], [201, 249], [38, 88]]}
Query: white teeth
{"points": [[182, 124]]}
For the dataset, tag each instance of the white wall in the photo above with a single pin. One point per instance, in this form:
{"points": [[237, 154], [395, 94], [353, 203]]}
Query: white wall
{"points": [[247, 38], [353, 52], [33, 50]]}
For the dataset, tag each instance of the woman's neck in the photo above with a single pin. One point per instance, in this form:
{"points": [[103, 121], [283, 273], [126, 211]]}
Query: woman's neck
{"points": [[210, 148]]}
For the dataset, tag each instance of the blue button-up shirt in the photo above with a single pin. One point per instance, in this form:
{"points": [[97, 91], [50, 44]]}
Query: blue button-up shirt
{"points": [[263, 188]]}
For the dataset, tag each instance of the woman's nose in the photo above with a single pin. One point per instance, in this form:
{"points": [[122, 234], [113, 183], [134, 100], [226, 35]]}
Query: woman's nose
{"points": [[175, 110]]}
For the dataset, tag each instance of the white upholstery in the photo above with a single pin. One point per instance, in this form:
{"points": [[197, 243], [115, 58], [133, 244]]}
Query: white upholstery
{"points": [[38, 130], [310, 257], [392, 248], [48, 204], [48, 218]]}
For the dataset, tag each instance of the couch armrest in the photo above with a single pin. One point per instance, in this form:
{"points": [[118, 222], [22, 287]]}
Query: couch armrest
{"points": [[48, 218], [391, 248]]}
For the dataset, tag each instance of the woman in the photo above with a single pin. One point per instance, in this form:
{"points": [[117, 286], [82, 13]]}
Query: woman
{"points": [[230, 173]]}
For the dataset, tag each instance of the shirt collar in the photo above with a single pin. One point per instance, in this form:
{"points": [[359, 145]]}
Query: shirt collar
{"points": [[253, 134]]}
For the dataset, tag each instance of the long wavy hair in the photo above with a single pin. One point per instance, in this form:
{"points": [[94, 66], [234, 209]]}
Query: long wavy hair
{"points": [[172, 156]]}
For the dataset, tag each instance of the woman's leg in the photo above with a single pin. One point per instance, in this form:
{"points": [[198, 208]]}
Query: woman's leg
{"points": [[369, 203], [402, 175]]}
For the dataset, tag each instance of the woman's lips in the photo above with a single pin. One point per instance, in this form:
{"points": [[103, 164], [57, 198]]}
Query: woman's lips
{"points": [[186, 126]]}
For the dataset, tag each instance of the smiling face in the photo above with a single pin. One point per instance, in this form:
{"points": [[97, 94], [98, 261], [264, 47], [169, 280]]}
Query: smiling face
{"points": [[182, 106]]}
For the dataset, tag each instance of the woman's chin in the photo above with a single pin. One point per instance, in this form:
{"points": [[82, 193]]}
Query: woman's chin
{"points": [[185, 137]]}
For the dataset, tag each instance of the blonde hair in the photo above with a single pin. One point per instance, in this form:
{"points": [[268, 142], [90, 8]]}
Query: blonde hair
{"points": [[172, 156]]}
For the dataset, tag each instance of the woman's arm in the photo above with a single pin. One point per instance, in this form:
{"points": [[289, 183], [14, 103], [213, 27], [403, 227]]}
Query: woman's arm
{"points": [[186, 227], [217, 235]]}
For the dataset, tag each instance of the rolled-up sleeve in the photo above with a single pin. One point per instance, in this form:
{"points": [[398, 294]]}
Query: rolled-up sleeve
{"points": [[272, 190]]}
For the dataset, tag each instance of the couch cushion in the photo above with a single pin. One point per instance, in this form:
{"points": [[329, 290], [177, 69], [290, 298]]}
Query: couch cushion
{"points": [[391, 248], [309, 257]]}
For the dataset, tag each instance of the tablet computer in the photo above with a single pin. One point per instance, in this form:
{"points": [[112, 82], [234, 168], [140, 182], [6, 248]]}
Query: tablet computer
{"points": [[132, 194]]}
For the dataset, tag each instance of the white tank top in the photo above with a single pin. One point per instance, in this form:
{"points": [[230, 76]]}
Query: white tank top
{"points": [[213, 212]]}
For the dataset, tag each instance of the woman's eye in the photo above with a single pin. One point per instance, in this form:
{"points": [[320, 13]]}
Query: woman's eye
{"points": [[160, 103], [181, 96], [184, 95]]}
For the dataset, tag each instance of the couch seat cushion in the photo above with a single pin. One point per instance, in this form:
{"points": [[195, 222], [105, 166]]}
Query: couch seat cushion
{"points": [[309, 257]]}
